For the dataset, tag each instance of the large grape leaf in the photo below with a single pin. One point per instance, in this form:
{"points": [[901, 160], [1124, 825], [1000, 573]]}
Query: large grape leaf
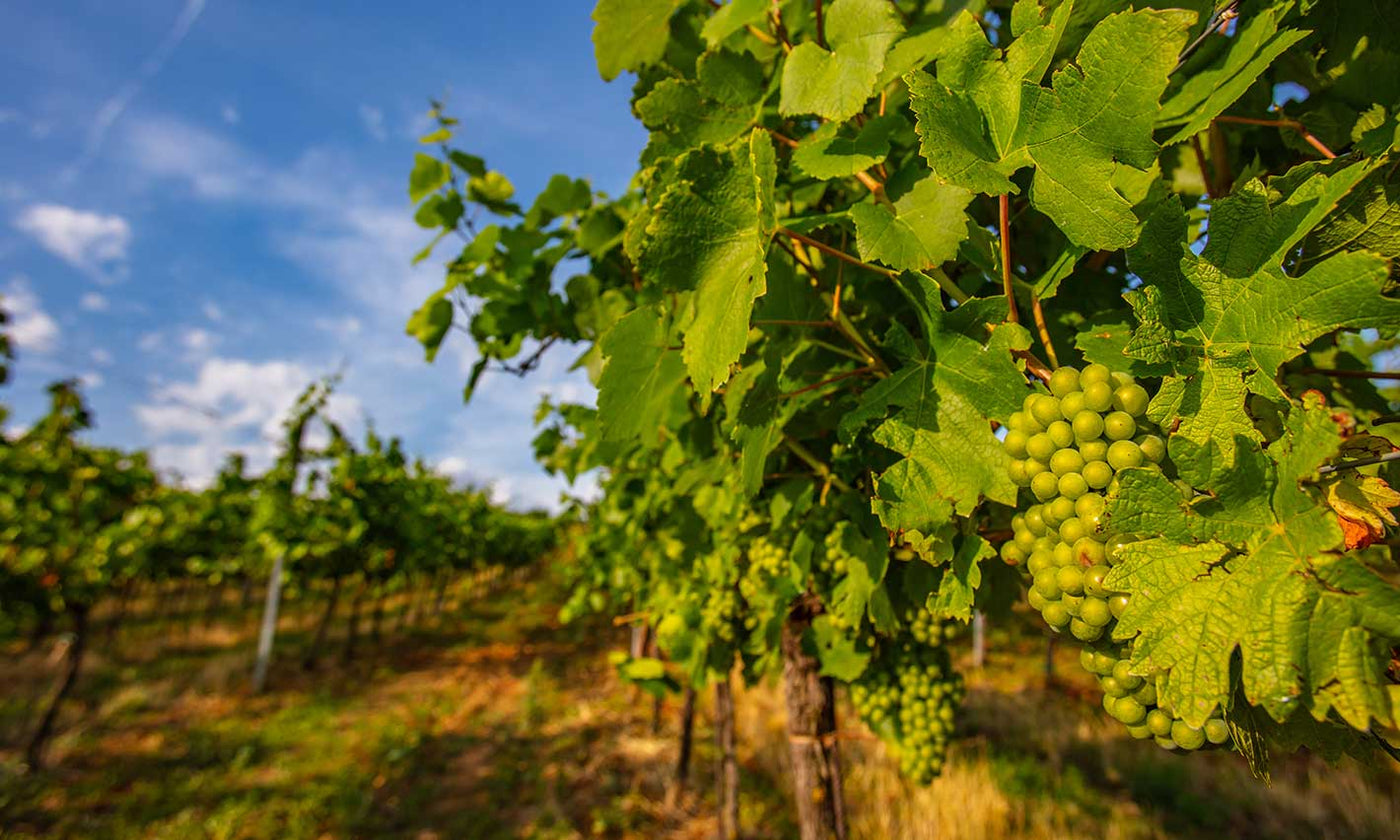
{"points": [[708, 232], [630, 34], [716, 107], [1225, 320], [1252, 569], [924, 228], [837, 83], [832, 151], [986, 116], [1212, 81], [944, 389]]}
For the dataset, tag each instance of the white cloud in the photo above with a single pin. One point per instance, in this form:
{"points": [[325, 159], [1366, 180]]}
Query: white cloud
{"points": [[373, 120], [30, 328], [90, 242], [213, 312], [93, 302], [101, 356], [197, 340], [150, 342], [230, 405], [91, 380], [229, 113], [344, 328]]}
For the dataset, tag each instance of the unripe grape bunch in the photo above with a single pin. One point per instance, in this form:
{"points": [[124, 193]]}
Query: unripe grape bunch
{"points": [[909, 695], [1068, 447]]}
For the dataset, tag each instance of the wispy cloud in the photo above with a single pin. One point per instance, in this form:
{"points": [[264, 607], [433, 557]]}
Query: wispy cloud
{"points": [[93, 243], [373, 120], [93, 302], [112, 109], [31, 328]]}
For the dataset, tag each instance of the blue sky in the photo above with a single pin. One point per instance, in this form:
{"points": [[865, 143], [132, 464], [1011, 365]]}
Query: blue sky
{"points": [[203, 206]]}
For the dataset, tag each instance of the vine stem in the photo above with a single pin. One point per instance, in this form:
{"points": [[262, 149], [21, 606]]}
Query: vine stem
{"points": [[1044, 331], [1034, 365], [946, 283], [1219, 18], [1284, 122], [821, 25], [1360, 462], [842, 324], [860, 371], [805, 455], [836, 252], [1004, 208], [1353, 374]]}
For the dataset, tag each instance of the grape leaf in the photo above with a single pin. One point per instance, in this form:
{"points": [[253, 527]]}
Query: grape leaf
{"points": [[837, 83], [730, 18], [708, 232], [961, 579], [944, 389], [1213, 82], [641, 377], [836, 651], [715, 108], [832, 152], [984, 117], [1367, 219], [1262, 540], [630, 34], [1230, 317], [428, 175], [924, 229]]}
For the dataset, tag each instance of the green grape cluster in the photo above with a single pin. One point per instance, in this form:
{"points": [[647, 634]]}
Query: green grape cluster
{"points": [[835, 559], [1068, 447], [720, 613], [767, 561], [909, 694], [928, 629], [1133, 701]]}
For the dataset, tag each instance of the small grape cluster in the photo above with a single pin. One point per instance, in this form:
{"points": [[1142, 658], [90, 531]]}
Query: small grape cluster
{"points": [[1133, 701], [767, 561], [720, 612], [1068, 447], [909, 695], [927, 629], [835, 559]]}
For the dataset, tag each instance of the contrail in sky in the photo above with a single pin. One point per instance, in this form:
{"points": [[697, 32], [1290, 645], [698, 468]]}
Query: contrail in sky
{"points": [[113, 108]]}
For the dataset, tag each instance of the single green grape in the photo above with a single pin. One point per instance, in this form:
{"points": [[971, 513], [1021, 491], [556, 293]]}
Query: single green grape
{"points": [[1084, 631], [1071, 486], [1062, 509], [1093, 581], [1217, 731], [1015, 443], [1123, 454], [1129, 711], [1187, 737], [1119, 426], [1046, 583], [1063, 381], [1159, 722], [1061, 433], [1034, 521], [1046, 409], [1056, 616], [1097, 474], [1070, 579], [1035, 467], [1072, 530], [1071, 404], [1153, 448], [1067, 461], [1132, 399], [1087, 425], [1088, 505], [1040, 447], [1118, 604], [1098, 396], [1045, 485], [1096, 612], [1092, 374], [1094, 450]]}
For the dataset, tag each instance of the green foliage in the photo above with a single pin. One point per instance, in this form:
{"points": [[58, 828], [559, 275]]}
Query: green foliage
{"points": [[798, 325]]}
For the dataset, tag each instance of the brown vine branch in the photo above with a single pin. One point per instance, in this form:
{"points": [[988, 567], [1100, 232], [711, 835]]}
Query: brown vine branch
{"points": [[1353, 374], [1284, 122], [1216, 23], [1033, 364], [1360, 462], [836, 252], [821, 25], [783, 138], [792, 322], [1004, 208], [1044, 330], [860, 371]]}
